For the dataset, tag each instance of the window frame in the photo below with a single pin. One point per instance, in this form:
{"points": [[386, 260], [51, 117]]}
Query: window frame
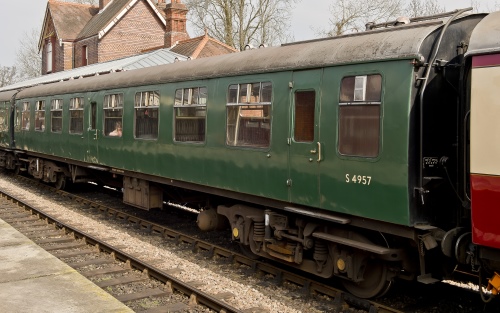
{"points": [[50, 60], [85, 55], [25, 116], [4, 116], [357, 102], [313, 124], [58, 109], [18, 116], [115, 105], [140, 106], [80, 108], [198, 107], [248, 104], [40, 108]]}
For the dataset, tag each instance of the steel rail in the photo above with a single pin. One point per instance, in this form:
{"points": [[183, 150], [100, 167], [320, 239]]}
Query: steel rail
{"points": [[172, 282]]}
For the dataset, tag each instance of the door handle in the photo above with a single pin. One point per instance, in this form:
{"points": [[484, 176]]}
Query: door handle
{"points": [[319, 151], [95, 136]]}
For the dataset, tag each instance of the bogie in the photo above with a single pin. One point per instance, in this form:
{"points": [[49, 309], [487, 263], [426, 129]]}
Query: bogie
{"points": [[308, 245]]}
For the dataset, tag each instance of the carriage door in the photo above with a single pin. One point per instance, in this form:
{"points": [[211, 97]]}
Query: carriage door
{"points": [[305, 149], [93, 134]]}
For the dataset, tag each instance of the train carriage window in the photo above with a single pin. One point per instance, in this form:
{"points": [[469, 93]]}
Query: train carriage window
{"points": [[113, 113], [17, 117], [76, 115], [359, 115], [305, 104], [25, 117], [249, 115], [56, 108], [4, 117], [190, 114], [40, 116], [147, 104]]}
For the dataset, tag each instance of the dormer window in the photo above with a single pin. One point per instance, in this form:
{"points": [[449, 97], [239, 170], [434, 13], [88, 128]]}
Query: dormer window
{"points": [[49, 56]]}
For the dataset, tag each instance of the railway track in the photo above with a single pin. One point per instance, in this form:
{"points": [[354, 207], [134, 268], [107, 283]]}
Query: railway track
{"points": [[66, 242], [308, 286]]}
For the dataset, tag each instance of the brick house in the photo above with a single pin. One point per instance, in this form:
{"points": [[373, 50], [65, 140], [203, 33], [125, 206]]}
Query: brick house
{"points": [[75, 35]]}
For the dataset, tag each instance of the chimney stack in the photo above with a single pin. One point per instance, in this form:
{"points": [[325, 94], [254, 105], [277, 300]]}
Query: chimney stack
{"points": [[161, 4], [175, 14], [103, 3]]}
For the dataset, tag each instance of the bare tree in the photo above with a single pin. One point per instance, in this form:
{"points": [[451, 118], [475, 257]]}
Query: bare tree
{"points": [[29, 60], [241, 22], [481, 6], [424, 8], [7, 75], [492, 6], [349, 16], [476, 5]]}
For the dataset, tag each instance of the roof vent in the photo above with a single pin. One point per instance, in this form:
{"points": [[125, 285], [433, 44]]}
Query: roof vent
{"points": [[403, 20], [369, 26]]}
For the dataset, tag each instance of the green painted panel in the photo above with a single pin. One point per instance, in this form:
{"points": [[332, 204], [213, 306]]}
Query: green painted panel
{"points": [[376, 187], [304, 137], [258, 171]]}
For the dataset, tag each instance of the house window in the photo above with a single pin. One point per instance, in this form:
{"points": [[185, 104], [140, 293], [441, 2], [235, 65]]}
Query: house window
{"points": [[25, 119], [56, 115], [113, 113], [49, 56], [147, 104], [249, 115], [40, 116], [85, 56], [359, 115], [190, 114], [76, 115]]}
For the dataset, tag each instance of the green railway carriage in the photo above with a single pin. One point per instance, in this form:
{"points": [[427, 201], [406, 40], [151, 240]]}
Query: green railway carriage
{"points": [[7, 158], [321, 142]]}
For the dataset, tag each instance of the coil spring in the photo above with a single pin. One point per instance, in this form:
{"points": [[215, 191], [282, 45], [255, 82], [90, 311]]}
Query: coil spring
{"points": [[421, 248], [291, 246], [259, 230], [320, 251]]}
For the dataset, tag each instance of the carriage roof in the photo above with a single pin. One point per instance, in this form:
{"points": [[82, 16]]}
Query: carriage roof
{"points": [[390, 43]]}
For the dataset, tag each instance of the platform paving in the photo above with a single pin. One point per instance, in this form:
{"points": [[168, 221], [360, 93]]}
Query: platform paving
{"points": [[33, 280]]}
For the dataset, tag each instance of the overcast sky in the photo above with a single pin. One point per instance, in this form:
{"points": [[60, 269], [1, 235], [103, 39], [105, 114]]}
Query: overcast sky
{"points": [[18, 17]]}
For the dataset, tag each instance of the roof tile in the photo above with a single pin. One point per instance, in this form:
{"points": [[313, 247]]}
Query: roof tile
{"points": [[70, 18], [201, 47], [99, 21]]}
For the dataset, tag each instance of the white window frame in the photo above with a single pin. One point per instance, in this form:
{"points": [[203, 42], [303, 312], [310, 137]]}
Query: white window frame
{"points": [[49, 56]]}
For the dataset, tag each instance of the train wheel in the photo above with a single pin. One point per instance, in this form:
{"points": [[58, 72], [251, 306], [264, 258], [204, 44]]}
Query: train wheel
{"points": [[17, 170], [247, 251], [60, 183], [375, 283]]}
